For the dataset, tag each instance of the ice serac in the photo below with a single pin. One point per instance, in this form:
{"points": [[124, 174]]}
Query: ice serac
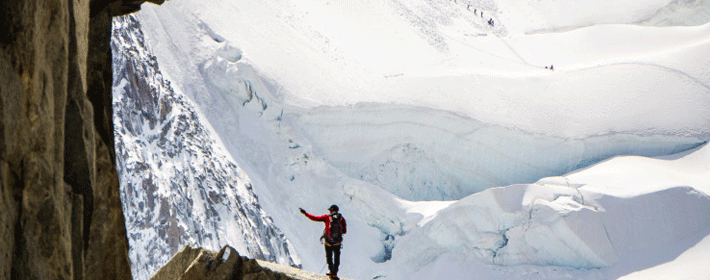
{"points": [[178, 185], [556, 223], [421, 153]]}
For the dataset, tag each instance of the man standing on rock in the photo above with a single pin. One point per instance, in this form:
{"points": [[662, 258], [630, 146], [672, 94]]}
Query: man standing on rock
{"points": [[335, 227]]}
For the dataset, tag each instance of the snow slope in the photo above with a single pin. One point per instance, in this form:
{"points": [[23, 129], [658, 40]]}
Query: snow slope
{"points": [[295, 57], [411, 114]]}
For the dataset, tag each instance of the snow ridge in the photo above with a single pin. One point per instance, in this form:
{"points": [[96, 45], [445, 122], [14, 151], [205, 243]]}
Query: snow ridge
{"points": [[178, 185]]}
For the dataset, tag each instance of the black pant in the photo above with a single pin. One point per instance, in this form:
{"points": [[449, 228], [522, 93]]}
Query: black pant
{"points": [[333, 264]]}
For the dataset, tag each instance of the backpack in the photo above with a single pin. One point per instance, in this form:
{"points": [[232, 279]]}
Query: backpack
{"points": [[336, 230]]}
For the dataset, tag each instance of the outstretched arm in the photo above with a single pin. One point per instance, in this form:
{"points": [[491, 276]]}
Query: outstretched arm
{"points": [[312, 217]]}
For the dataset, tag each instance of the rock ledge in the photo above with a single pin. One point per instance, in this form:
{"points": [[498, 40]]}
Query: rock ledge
{"points": [[197, 264]]}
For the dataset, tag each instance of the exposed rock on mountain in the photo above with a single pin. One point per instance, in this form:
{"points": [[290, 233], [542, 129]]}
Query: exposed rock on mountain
{"points": [[62, 217], [198, 263], [178, 185]]}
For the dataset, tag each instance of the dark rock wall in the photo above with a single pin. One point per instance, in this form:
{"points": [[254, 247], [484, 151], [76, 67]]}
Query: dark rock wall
{"points": [[59, 192]]}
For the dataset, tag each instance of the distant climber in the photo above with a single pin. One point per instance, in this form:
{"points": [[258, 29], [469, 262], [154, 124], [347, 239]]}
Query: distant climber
{"points": [[491, 22], [335, 227]]}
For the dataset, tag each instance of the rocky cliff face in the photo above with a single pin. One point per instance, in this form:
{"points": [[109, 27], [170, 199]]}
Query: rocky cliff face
{"points": [[59, 193]]}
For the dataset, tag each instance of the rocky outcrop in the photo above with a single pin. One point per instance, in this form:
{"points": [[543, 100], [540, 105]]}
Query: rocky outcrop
{"points": [[59, 194], [199, 264]]}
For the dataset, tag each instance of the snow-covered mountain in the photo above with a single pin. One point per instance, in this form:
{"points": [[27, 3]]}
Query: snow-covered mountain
{"points": [[439, 127], [178, 185]]}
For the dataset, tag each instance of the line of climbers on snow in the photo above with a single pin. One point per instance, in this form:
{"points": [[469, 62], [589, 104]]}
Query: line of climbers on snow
{"points": [[491, 22]]}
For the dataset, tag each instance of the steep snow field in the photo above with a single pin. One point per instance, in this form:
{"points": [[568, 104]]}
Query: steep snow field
{"points": [[451, 149]]}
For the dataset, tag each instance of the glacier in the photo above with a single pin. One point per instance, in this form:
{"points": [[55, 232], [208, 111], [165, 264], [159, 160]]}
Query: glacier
{"points": [[448, 145]]}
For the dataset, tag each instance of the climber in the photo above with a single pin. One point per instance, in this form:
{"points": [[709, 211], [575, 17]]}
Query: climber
{"points": [[335, 227]]}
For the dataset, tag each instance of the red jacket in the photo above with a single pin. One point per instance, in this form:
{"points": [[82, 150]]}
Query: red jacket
{"points": [[326, 218]]}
